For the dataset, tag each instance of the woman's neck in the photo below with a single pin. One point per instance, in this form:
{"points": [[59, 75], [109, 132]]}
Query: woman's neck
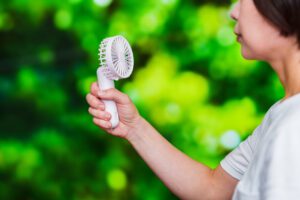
{"points": [[288, 71]]}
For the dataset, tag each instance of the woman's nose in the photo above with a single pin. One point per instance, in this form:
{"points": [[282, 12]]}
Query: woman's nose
{"points": [[234, 13]]}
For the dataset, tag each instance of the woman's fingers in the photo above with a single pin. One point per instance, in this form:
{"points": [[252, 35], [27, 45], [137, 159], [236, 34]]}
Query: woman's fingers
{"points": [[94, 101], [100, 117], [115, 95], [99, 114], [109, 94], [102, 123], [95, 89]]}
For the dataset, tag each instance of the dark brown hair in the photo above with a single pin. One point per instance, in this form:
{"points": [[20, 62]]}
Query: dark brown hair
{"points": [[283, 14]]}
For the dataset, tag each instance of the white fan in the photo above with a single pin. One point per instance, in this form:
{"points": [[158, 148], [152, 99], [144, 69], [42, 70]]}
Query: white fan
{"points": [[116, 62]]}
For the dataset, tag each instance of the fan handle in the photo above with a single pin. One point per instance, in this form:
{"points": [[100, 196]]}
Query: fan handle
{"points": [[110, 106]]}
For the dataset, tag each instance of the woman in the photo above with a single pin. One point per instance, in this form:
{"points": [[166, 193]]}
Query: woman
{"points": [[266, 165]]}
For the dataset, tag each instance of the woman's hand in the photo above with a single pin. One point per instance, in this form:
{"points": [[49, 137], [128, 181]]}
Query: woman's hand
{"points": [[129, 116]]}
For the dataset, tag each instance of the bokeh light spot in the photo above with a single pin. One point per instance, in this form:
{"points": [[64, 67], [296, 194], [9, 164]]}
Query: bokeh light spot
{"points": [[103, 3], [63, 19], [117, 179], [230, 139], [27, 79], [149, 22]]}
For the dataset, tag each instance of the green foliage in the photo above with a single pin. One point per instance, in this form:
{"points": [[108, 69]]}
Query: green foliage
{"points": [[189, 81]]}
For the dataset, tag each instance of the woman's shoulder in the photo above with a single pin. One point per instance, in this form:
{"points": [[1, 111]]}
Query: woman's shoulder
{"points": [[287, 112], [287, 127], [286, 120], [291, 113]]}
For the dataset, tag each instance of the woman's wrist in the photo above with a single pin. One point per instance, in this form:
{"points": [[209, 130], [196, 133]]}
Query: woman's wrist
{"points": [[137, 129]]}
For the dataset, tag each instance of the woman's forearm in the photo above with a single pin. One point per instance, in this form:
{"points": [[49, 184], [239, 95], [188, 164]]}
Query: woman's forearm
{"points": [[185, 177]]}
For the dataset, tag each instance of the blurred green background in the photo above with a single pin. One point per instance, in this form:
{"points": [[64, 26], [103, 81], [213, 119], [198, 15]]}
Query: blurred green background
{"points": [[189, 81]]}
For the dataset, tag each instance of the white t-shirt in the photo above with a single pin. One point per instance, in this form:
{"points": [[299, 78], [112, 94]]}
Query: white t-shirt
{"points": [[267, 163]]}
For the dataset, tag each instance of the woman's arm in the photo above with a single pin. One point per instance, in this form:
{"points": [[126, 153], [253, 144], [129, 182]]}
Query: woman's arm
{"points": [[185, 177]]}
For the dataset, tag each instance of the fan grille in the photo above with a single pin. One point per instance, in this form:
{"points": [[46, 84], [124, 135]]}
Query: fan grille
{"points": [[116, 55]]}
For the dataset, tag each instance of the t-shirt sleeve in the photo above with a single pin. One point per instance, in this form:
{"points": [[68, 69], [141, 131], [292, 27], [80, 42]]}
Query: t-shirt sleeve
{"points": [[280, 176], [237, 161]]}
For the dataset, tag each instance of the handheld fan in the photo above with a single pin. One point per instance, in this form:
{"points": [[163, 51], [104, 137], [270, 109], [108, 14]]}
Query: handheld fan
{"points": [[116, 62]]}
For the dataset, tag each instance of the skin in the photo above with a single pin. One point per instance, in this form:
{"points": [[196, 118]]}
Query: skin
{"points": [[185, 177]]}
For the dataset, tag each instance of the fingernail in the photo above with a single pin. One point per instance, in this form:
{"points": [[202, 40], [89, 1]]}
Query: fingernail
{"points": [[108, 125]]}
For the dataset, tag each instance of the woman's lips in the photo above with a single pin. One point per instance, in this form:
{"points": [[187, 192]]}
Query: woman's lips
{"points": [[238, 37]]}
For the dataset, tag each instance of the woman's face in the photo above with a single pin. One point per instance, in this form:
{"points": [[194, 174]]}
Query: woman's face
{"points": [[259, 39]]}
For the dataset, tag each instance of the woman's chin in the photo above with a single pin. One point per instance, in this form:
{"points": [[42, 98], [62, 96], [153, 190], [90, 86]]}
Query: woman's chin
{"points": [[248, 55]]}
